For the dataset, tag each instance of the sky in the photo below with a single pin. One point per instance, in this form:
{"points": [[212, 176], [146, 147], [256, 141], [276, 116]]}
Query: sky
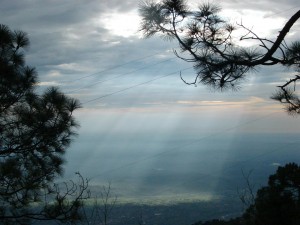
{"points": [[135, 108]]}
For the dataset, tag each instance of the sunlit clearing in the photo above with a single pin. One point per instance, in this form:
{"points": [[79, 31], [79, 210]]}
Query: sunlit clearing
{"points": [[124, 25]]}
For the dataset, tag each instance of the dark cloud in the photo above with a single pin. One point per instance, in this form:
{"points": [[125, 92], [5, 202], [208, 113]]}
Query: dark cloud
{"points": [[69, 40], [66, 32], [60, 13]]}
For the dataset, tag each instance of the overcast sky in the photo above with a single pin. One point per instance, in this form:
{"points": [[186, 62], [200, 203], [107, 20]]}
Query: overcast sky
{"points": [[130, 87], [93, 48]]}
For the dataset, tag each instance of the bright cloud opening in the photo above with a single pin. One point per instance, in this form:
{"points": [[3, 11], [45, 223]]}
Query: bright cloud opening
{"points": [[124, 25], [257, 21]]}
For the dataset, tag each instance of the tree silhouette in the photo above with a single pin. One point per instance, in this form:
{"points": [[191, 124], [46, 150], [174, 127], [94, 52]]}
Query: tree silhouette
{"points": [[35, 131], [279, 202], [206, 40], [100, 212]]}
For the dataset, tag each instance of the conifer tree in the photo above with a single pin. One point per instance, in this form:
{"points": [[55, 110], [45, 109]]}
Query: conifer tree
{"points": [[35, 130], [221, 62]]}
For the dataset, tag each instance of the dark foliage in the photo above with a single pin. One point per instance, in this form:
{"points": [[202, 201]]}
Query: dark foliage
{"points": [[279, 202], [35, 131], [219, 61]]}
